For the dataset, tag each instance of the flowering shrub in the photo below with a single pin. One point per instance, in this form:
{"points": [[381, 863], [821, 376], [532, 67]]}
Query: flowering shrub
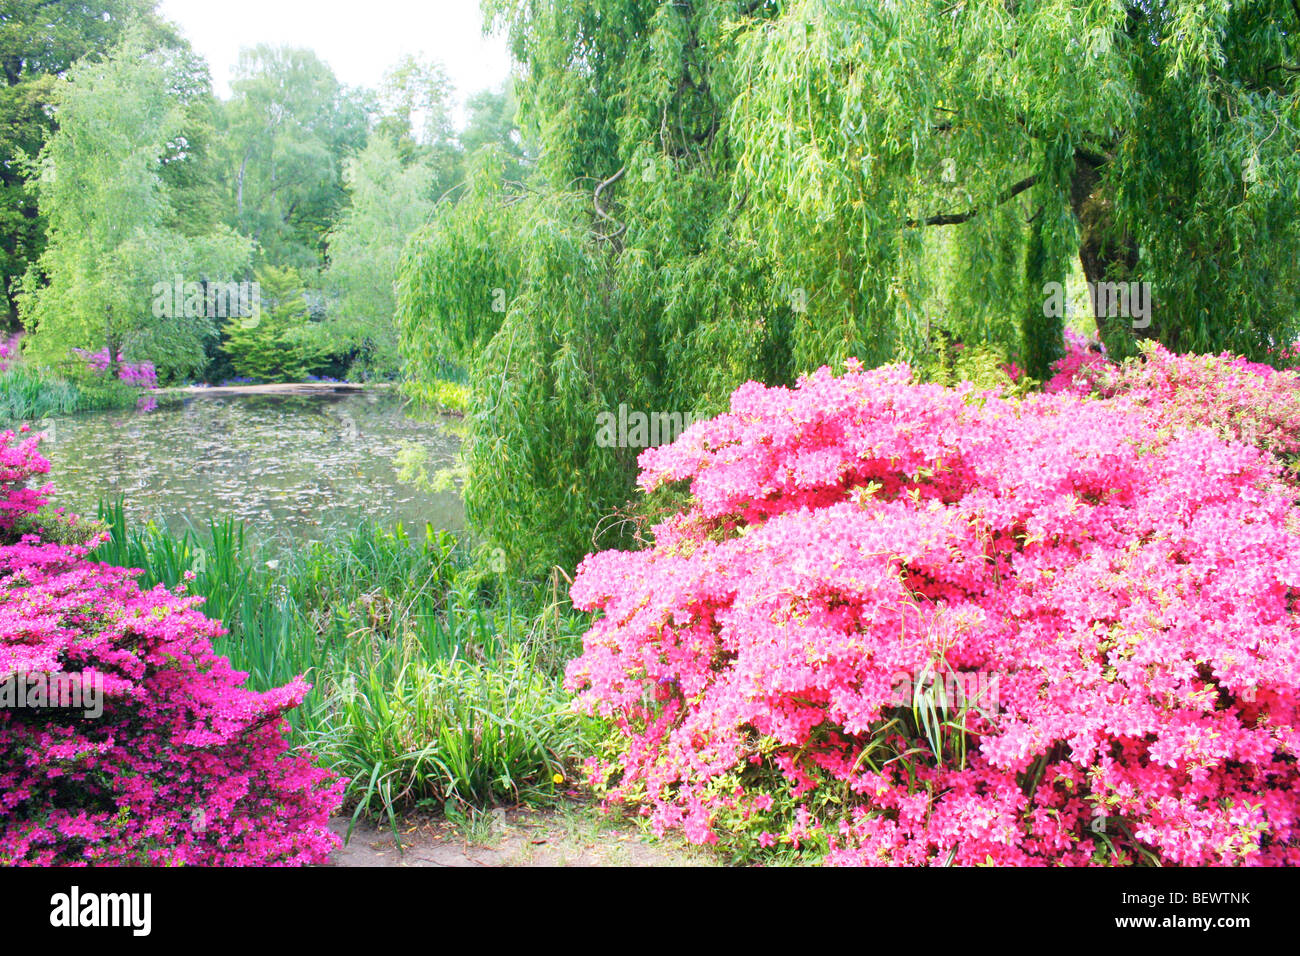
{"points": [[140, 374], [185, 765], [1077, 372], [1241, 400], [1127, 582]]}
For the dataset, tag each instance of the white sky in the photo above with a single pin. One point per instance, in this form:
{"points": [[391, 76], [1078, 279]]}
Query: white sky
{"points": [[359, 39]]}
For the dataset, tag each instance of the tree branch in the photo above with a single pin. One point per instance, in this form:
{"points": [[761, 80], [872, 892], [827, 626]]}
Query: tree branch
{"points": [[953, 219], [595, 201]]}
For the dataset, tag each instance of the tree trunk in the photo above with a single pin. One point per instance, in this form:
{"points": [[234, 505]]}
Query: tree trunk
{"points": [[114, 366], [1105, 253]]}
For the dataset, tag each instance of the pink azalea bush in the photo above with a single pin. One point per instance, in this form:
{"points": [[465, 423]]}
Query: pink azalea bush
{"points": [[138, 374], [1078, 370], [184, 766], [1124, 579], [1239, 400]]}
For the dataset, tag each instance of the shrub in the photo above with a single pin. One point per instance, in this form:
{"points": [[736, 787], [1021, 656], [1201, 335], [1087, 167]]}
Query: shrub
{"points": [[1240, 400], [1121, 586], [138, 374], [279, 342], [1077, 372], [184, 765]]}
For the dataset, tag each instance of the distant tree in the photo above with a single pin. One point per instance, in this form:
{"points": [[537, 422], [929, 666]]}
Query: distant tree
{"points": [[111, 216], [39, 41], [414, 112], [277, 343], [287, 132], [491, 121], [389, 201]]}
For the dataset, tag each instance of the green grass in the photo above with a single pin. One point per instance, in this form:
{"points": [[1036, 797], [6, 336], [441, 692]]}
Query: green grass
{"points": [[28, 394], [422, 696]]}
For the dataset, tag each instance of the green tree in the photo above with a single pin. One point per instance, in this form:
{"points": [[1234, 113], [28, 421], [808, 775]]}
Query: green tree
{"points": [[287, 131], [389, 201], [733, 189], [491, 122], [414, 113], [277, 342], [110, 215], [39, 41]]}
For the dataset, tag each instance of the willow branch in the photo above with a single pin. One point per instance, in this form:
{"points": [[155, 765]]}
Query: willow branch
{"points": [[956, 218], [600, 211]]}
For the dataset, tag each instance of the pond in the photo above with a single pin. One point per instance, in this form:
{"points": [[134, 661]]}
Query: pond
{"points": [[290, 466]]}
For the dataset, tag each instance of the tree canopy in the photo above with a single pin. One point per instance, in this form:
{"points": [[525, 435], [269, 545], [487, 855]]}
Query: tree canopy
{"points": [[109, 211], [39, 41], [736, 189]]}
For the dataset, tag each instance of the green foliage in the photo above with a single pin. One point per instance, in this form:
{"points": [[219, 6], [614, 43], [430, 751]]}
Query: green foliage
{"points": [[415, 118], [107, 206], [451, 730], [39, 41], [727, 190], [389, 202], [1042, 336], [984, 366], [285, 135], [52, 524], [27, 394], [491, 124], [278, 342], [438, 395], [420, 696]]}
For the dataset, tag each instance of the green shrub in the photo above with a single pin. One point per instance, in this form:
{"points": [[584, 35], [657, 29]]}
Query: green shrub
{"points": [[278, 343]]}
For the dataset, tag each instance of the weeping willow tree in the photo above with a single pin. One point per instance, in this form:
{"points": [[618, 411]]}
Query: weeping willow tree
{"points": [[736, 189]]}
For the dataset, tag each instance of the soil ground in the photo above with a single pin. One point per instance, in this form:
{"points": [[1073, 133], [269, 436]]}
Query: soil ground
{"points": [[573, 835]]}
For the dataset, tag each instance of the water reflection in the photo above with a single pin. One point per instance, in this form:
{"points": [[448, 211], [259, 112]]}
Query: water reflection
{"points": [[290, 466]]}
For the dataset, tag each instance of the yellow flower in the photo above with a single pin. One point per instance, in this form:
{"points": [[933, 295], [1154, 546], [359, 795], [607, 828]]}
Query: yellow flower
{"points": [[558, 779]]}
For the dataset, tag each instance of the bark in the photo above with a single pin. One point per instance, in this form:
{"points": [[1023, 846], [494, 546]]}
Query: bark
{"points": [[1106, 253]]}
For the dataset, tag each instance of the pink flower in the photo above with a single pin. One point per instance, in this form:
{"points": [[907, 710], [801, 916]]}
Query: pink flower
{"points": [[178, 731], [1122, 569]]}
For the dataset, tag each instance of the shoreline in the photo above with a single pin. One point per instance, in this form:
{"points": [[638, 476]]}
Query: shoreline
{"points": [[278, 388]]}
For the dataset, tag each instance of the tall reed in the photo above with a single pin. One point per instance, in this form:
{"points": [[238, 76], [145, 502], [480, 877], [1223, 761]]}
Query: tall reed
{"points": [[421, 696]]}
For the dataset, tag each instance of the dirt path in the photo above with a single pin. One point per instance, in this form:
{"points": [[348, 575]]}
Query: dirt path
{"points": [[575, 836]]}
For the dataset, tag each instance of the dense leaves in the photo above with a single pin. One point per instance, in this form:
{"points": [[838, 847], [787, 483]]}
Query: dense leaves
{"points": [[181, 765], [897, 623], [730, 190]]}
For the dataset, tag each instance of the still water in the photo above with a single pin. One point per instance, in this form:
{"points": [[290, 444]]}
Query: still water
{"points": [[290, 466]]}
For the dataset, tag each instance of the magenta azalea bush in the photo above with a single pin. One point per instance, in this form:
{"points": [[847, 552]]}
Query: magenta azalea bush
{"points": [[897, 623], [185, 765], [1077, 372], [138, 374]]}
